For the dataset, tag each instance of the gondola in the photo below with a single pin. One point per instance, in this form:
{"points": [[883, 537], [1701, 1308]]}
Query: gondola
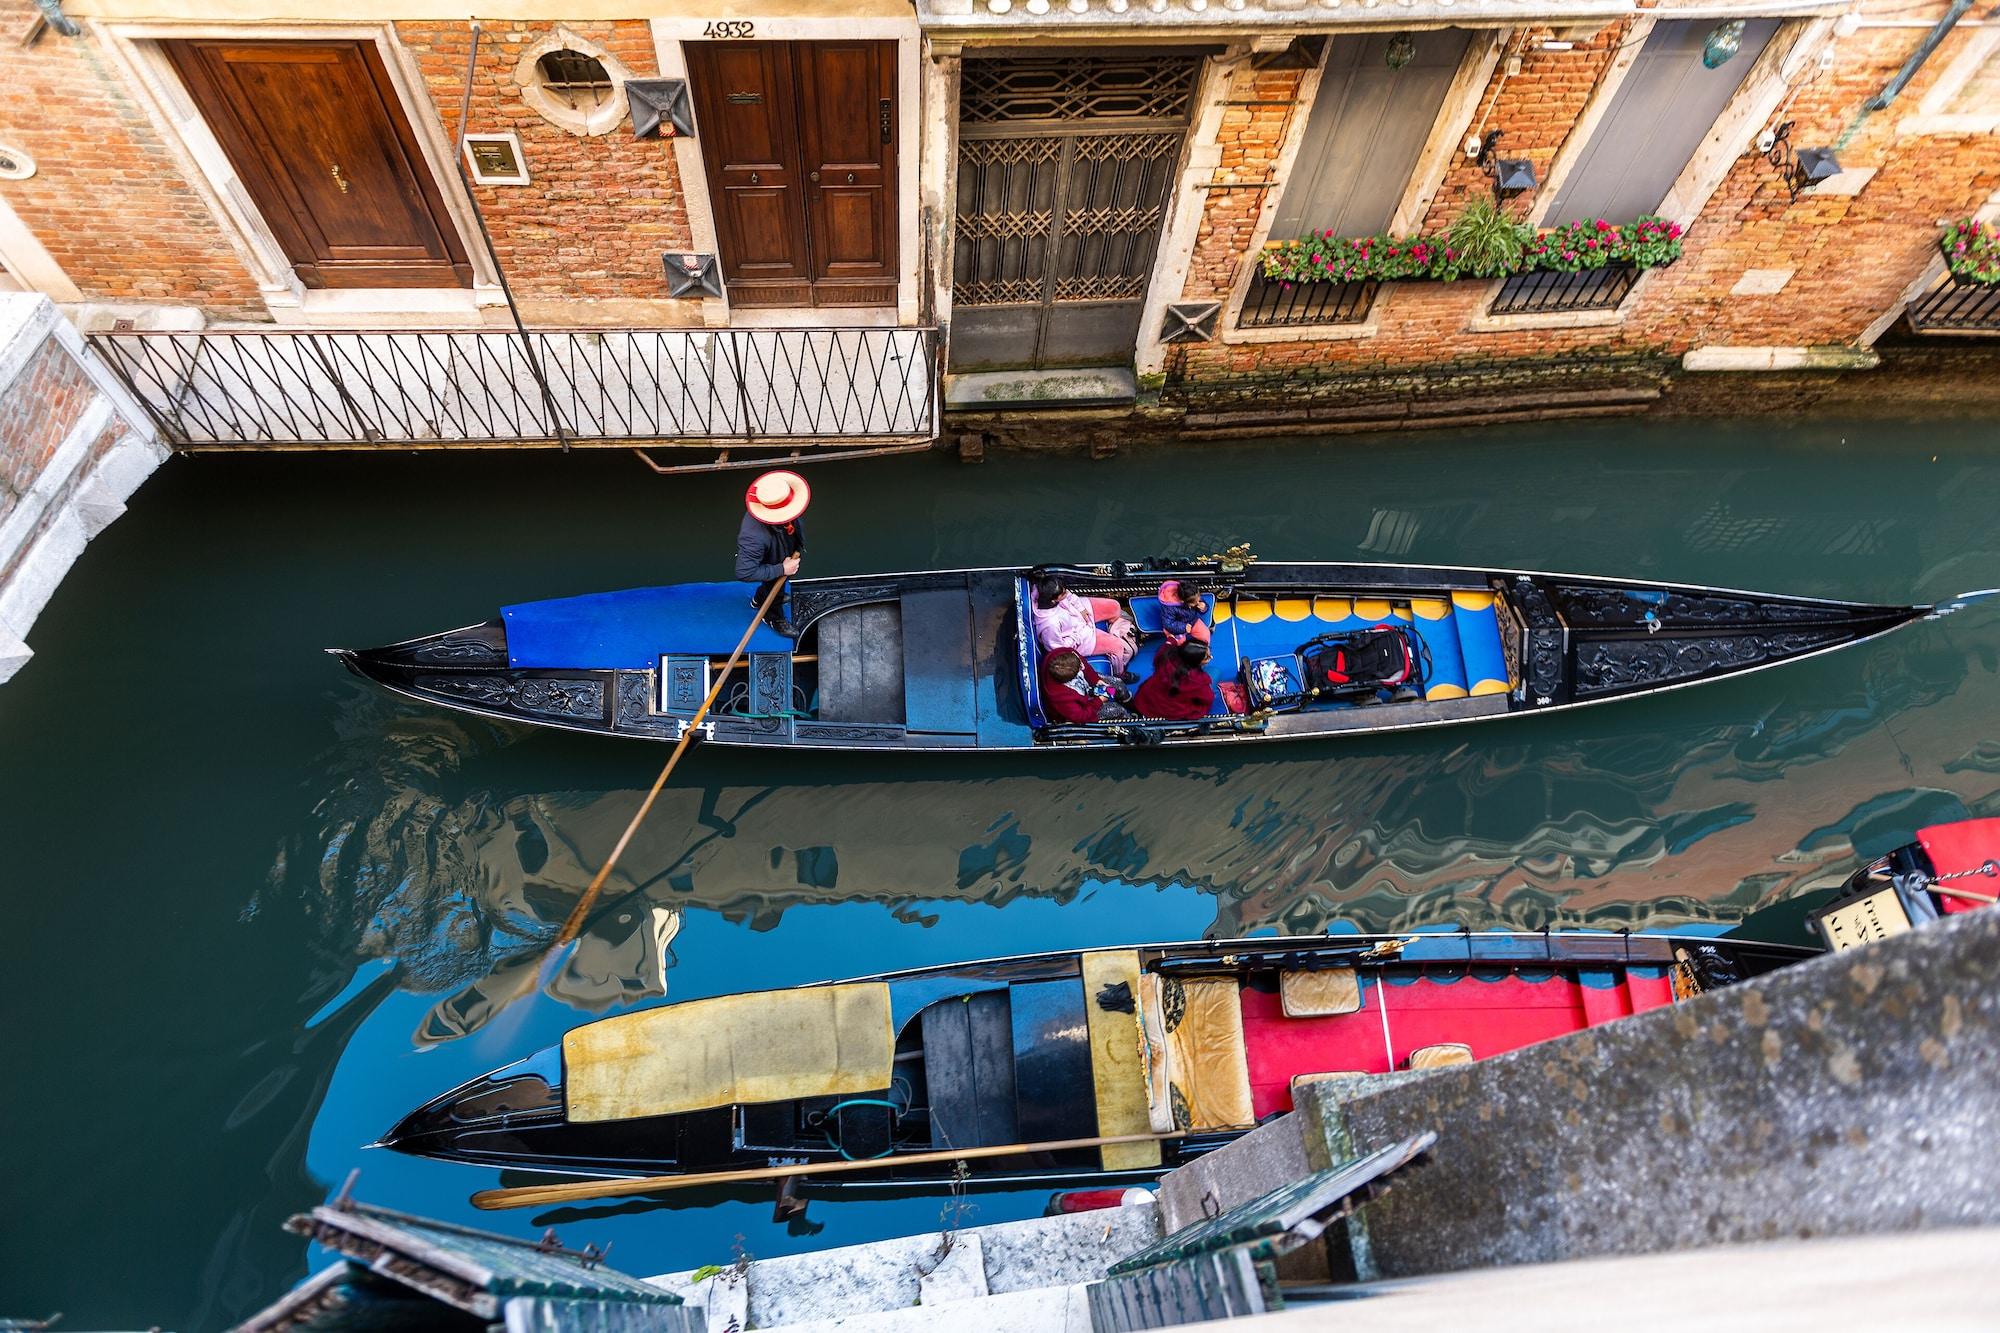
{"points": [[1167, 1051], [945, 660]]}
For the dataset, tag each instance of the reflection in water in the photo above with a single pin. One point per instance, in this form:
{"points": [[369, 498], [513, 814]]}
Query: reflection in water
{"points": [[1525, 825]]}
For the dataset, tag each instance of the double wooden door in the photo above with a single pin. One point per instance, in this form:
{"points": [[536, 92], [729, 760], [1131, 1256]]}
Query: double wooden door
{"points": [[318, 137], [799, 143]]}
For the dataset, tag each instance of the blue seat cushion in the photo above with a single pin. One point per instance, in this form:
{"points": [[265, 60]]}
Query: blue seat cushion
{"points": [[1148, 614]]}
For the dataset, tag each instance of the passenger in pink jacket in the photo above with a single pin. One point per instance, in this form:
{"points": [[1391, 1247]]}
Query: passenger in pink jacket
{"points": [[1065, 620]]}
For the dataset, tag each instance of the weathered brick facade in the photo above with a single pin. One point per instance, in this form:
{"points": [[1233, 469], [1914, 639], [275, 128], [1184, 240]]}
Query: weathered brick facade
{"points": [[599, 209], [110, 202], [1853, 256]]}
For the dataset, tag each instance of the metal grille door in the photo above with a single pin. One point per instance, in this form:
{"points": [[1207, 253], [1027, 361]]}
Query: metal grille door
{"points": [[1065, 166]]}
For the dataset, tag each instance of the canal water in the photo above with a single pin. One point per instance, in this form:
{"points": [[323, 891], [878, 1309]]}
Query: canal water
{"points": [[255, 910]]}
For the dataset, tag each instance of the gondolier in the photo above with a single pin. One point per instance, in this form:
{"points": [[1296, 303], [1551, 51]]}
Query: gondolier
{"points": [[772, 540]]}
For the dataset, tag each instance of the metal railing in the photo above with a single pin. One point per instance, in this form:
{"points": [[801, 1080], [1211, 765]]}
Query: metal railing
{"points": [[1547, 293], [1957, 306], [1273, 305], [478, 388]]}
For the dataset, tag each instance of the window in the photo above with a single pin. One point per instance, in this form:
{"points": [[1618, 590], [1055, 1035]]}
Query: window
{"points": [[573, 83], [1966, 97]]}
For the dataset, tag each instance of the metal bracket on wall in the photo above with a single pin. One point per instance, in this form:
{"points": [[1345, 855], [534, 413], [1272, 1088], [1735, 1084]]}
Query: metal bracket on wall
{"points": [[1190, 322], [658, 103], [693, 275]]}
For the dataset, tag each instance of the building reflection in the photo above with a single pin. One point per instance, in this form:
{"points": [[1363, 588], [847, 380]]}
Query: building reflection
{"points": [[437, 851]]}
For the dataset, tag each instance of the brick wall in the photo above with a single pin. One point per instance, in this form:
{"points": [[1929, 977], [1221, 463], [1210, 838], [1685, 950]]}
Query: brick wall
{"points": [[109, 201], [1250, 137], [37, 412], [600, 209], [1853, 256]]}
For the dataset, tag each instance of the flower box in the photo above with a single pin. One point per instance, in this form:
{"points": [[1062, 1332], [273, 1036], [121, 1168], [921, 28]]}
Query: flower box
{"points": [[1971, 252], [1647, 242]]}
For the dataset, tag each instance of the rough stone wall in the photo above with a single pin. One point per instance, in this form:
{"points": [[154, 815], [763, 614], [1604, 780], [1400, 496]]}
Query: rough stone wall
{"points": [[1846, 1095], [1853, 257], [599, 210], [37, 413], [109, 201]]}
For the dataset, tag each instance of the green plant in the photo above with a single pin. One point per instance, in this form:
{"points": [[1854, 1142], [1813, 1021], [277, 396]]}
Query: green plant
{"points": [[1972, 250], [1488, 242], [1648, 242]]}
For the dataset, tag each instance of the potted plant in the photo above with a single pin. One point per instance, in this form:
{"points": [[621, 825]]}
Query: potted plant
{"points": [[1488, 243], [1972, 251]]}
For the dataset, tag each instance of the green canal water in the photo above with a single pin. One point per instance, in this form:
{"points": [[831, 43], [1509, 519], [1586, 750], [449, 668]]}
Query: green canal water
{"points": [[254, 910]]}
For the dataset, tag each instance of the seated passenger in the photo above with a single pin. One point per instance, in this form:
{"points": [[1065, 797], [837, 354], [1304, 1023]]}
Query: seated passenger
{"points": [[1072, 691], [1182, 609], [1065, 620], [1178, 690]]}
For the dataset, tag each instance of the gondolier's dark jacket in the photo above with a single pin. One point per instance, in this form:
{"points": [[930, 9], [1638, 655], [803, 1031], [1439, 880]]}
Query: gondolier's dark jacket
{"points": [[761, 548]]}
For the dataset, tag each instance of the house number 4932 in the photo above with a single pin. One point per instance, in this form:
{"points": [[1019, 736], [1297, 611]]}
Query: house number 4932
{"points": [[737, 28]]}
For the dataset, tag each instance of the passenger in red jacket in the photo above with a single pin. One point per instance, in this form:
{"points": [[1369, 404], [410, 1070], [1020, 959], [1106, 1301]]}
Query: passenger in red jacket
{"points": [[1072, 691], [1178, 690]]}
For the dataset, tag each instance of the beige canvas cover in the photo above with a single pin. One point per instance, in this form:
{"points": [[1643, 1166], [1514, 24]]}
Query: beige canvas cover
{"points": [[1117, 1063], [1322, 993], [1441, 1055], [765, 1046], [1197, 1068]]}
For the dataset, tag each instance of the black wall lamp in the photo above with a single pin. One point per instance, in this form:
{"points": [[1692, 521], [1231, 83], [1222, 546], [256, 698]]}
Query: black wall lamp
{"points": [[1511, 175], [660, 108], [1798, 168]]}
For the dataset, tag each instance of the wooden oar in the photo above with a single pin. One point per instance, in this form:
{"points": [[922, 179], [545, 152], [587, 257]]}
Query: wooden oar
{"points": [[532, 1196], [1967, 894], [573, 924]]}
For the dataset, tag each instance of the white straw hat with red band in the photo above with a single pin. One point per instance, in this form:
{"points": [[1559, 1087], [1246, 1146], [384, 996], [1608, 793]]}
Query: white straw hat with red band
{"points": [[778, 497]]}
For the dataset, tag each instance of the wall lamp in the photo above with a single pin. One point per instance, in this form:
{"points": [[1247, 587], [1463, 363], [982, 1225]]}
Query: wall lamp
{"points": [[1511, 175], [1797, 168]]}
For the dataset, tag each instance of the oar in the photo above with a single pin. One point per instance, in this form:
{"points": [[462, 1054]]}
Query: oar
{"points": [[1964, 893], [573, 924], [533, 1196]]}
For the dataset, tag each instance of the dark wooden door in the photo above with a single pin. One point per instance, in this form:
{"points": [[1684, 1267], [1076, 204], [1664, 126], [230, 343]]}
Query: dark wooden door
{"points": [[799, 144], [319, 139]]}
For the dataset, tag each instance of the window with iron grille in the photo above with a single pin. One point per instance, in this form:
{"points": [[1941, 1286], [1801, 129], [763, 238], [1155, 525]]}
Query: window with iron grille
{"points": [[1547, 293], [1270, 304], [579, 79], [1957, 305]]}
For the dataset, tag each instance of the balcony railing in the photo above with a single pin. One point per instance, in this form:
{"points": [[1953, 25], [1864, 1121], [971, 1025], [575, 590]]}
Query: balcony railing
{"points": [[1271, 305], [1547, 293], [484, 388], [1957, 306]]}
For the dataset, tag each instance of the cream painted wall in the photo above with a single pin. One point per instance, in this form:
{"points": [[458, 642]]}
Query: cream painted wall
{"points": [[490, 11]]}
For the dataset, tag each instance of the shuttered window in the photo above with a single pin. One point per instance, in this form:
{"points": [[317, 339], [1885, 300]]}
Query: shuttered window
{"points": [[1662, 111], [1368, 126]]}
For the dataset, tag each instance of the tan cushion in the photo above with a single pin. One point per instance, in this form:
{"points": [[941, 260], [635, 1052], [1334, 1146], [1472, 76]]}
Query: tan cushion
{"points": [[1303, 1080], [1439, 1056], [1198, 1070], [1117, 1060], [1322, 993]]}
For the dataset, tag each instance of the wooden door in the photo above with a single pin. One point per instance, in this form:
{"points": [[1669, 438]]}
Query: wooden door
{"points": [[318, 138], [798, 142]]}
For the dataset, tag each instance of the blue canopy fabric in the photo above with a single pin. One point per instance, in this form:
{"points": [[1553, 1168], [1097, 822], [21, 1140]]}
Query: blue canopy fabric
{"points": [[630, 629]]}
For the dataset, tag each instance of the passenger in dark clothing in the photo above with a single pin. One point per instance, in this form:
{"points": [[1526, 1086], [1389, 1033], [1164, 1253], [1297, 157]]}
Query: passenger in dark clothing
{"points": [[1178, 690], [771, 542], [1073, 691]]}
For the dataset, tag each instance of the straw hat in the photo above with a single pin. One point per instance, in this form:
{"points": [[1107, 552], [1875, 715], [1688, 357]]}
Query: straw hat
{"points": [[778, 497]]}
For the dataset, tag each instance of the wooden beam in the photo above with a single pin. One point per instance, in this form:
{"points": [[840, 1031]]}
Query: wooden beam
{"points": [[534, 1196]]}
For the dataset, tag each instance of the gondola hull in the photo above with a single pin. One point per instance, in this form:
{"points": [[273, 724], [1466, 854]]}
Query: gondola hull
{"points": [[946, 660], [1170, 1049]]}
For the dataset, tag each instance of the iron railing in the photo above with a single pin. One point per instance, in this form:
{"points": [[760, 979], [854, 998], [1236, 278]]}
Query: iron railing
{"points": [[1271, 305], [480, 388], [1547, 293], [1957, 305]]}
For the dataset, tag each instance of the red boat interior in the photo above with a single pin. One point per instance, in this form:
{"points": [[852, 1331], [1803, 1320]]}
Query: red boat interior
{"points": [[1428, 1020]]}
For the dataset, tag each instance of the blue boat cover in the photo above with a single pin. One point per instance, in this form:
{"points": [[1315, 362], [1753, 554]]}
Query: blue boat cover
{"points": [[630, 629]]}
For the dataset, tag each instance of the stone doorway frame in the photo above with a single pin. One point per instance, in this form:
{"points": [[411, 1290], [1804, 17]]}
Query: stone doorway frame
{"points": [[134, 47]]}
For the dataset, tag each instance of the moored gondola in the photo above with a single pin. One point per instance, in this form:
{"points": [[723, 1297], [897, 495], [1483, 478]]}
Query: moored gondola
{"points": [[1057, 1069], [947, 660]]}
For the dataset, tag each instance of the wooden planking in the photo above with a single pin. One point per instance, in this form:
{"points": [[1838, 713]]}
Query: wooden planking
{"points": [[1117, 1066], [938, 662], [861, 664], [969, 1070]]}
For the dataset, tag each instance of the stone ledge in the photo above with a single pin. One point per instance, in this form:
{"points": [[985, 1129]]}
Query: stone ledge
{"points": [[1780, 358]]}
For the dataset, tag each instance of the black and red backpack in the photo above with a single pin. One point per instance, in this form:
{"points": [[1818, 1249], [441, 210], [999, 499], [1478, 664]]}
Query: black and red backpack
{"points": [[1361, 661]]}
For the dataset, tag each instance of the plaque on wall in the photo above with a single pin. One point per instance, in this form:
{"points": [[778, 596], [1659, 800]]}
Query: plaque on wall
{"points": [[495, 159]]}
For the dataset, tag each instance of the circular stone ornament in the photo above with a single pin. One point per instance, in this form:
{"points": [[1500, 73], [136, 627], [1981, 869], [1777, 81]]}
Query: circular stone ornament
{"points": [[15, 165]]}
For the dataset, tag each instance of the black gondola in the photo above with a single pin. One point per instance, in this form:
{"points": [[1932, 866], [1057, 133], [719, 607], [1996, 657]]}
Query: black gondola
{"points": [[1167, 1050], [946, 660]]}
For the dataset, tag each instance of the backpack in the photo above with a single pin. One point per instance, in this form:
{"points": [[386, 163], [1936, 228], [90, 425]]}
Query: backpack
{"points": [[1362, 661]]}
